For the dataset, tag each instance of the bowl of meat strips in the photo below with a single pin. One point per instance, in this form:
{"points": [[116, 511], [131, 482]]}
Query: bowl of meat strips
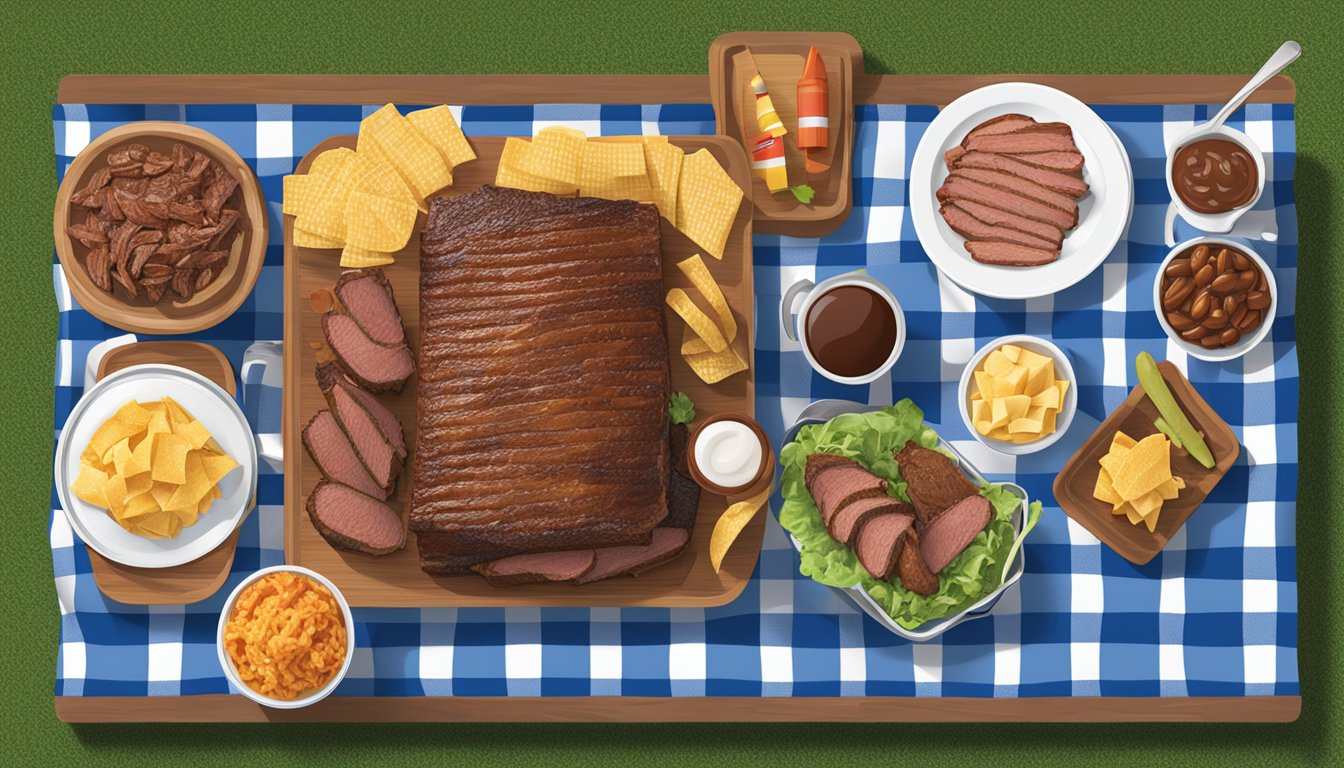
{"points": [[160, 228], [883, 510]]}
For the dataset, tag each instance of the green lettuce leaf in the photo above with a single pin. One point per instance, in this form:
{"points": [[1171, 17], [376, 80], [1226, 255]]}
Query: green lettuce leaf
{"points": [[871, 439]]}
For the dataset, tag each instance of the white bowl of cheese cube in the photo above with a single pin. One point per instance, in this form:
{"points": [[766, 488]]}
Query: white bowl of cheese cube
{"points": [[1018, 394]]}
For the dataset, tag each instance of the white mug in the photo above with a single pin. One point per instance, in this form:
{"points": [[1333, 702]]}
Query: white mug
{"points": [[795, 324]]}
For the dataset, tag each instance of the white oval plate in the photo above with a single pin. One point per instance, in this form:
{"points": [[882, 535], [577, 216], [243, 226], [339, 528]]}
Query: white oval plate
{"points": [[1103, 214], [205, 401]]}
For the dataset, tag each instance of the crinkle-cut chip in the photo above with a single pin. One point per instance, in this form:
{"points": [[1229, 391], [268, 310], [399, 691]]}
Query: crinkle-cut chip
{"points": [[730, 525], [331, 161], [698, 273], [440, 128], [378, 223], [664, 164], [353, 257], [195, 433], [621, 188], [382, 179], [90, 486], [217, 465], [713, 367], [556, 153], [508, 175], [296, 194], [697, 320], [170, 459], [605, 161], [129, 420], [304, 239], [327, 217], [707, 202], [418, 162]]}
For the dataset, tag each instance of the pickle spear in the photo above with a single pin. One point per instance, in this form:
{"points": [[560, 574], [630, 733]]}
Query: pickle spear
{"points": [[1156, 388]]}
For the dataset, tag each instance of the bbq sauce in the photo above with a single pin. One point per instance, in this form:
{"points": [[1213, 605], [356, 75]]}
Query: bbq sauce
{"points": [[851, 330], [1214, 175]]}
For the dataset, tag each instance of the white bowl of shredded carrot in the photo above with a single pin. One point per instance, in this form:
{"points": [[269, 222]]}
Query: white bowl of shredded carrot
{"points": [[286, 636]]}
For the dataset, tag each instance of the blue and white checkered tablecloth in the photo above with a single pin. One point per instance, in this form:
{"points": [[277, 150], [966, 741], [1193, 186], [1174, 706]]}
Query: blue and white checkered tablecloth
{"points": [[1214, 614]]}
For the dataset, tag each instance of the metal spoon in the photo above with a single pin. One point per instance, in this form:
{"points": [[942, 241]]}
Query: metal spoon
{"points": [[1287, 54]]}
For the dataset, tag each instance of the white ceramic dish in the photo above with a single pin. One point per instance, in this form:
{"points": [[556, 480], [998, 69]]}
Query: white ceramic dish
{"points": [[825, 410], [795, 324], [231, 672], [1220, 223], [1247, 342], [1103, 214], [206, 402], [1063, 370]]}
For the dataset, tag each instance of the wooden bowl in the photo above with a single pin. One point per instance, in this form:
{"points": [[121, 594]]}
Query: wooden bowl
{"points": [[170, 315]]}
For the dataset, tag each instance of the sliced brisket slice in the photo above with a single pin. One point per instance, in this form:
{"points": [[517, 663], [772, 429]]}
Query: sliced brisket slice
{"points": [[958, 189], [846, 523], [910, 566], [953, 155], [1027, 141], [367, 297], [932, 481], [374, 449], [329, 376], [835, 484], [819, 461], [335, 457], [1020, 186], [666, 545], [971, 228], [1000, 218], [375, 367], [348, 519], [953, 531], [1068, 162], [879, 542], [1010, 254], [541, 566], [1063, 183], [995, 126]]}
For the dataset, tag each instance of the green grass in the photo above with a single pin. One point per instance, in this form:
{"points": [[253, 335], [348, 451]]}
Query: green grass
{"points": [[39, 43]]}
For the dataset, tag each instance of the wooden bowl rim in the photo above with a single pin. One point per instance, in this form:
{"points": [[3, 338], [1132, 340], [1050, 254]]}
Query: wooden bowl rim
{"points": [[147, 319]]}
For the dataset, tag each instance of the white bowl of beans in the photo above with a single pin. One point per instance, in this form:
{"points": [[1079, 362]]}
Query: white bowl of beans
{"points": [[1215, 298]]}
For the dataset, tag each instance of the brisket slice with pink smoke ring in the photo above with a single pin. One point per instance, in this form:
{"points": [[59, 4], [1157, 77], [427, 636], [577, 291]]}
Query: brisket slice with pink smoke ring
{"points": [[879, 542], [1010, 254], [367, 297], [665, 545], [952, 531], [540, 566], [335, 457], [348, 519], [971, 228]]}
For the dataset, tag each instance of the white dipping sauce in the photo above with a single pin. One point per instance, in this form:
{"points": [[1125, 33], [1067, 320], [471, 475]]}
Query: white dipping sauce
{"points": [[728, 453]]}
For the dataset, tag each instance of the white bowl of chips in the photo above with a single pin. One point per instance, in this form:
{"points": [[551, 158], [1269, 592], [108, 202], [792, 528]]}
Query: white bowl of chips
{"points": [[1043, 366], [201, 482]]}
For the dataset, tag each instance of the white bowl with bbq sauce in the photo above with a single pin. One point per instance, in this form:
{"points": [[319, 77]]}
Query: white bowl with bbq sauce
{"points": [[1242, 298], [1214, 175]]}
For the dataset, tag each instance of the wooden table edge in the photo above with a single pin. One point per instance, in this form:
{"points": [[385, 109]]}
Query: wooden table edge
{"points": [[624, 89], [234, 708]]}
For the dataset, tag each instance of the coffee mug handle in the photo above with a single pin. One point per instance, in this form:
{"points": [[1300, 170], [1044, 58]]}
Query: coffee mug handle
{"points": [[786, 306]]}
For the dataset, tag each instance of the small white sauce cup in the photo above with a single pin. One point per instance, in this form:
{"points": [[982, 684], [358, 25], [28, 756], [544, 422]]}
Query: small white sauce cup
{"points": [[795, 324], [1215, 222]]}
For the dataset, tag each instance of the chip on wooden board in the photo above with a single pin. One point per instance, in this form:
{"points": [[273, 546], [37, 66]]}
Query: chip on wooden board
{"points": [[730, 525], [378, 223], [416, 160], [509, 174], [698, 273], [707, 202], [713, 367], [556, 154], [440, 128], [161, 473], [697, 320], [1135, 478], [664, 164]]}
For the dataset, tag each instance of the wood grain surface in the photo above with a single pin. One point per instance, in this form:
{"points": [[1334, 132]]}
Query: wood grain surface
{"points": [[629, 709], [780, 57], [396, 580], [1135, 417], [624, 89], [202, 577]]}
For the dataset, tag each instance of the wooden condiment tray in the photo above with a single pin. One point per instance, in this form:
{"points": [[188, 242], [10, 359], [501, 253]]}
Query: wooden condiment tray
{"points": [[202, 577], [1135, 416], [396, 580], [780, 57]]}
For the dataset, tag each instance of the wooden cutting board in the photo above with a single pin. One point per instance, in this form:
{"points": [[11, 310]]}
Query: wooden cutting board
{"points": [[396, 580]]}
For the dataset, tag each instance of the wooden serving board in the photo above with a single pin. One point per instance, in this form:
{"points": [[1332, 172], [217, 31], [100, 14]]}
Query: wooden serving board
{"points": [[1135, 416], [202, 577], [667, 89], [780, 57], [396, 580]]}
